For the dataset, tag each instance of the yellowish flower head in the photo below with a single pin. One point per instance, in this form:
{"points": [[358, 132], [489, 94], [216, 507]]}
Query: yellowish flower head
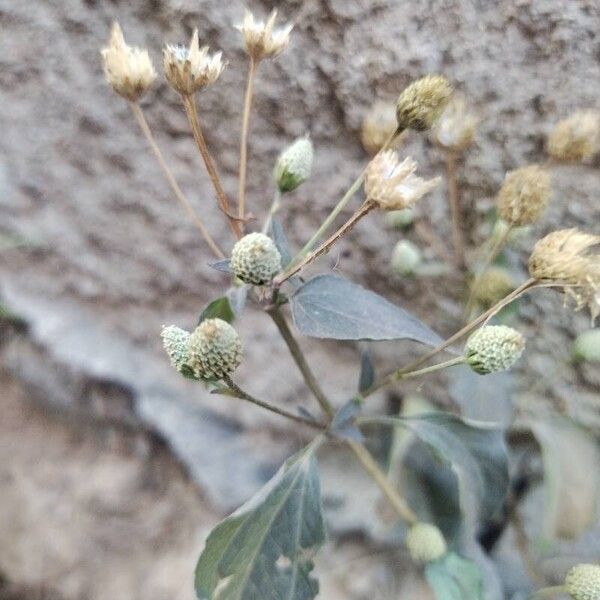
{"points": [[128, 69], [422, 102], [567, 257], [392, 184], [191, 69], [576, 137], [261, 38], [524, 195]]}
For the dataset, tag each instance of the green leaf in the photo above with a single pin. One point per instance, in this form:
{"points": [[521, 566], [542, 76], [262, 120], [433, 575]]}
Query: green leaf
{"points": [[218, 309], [367, 371], [571, 457], [331, 307], [264, 549], [475, 451], [455, 578]]}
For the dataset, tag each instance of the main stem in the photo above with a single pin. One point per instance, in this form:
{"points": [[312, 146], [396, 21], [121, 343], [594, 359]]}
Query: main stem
{"points": [[373, 469], [138, 113], [455, 211], [244, 139], [340, 205], [275, 206], [367, 206], [298, 356], [243, 395], [192, 114]]}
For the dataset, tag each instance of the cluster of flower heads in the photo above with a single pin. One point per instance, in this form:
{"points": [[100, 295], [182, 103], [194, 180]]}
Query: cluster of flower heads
{"points": [[130, 72]]}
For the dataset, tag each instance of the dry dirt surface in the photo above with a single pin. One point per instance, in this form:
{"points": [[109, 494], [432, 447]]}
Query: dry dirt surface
{"points": [[109, 257]]}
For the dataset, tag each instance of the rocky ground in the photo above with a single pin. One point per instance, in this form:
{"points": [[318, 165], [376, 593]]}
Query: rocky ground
{"points": [[113, 468]]}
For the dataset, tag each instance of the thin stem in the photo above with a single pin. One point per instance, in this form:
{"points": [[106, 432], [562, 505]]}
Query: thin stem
{"points": [[299, 359], [400, 374], [489, 259], [367, 206], [244, 139], [275, 206], [530, 283], [373, 469], [138, 113], [192, 114], [454, 199], [549, 592], [340, 205], [243, 395]]}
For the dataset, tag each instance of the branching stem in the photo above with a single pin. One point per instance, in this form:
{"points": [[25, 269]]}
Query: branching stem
{"points": [[192, 114], [244, 139], [138, 113]]}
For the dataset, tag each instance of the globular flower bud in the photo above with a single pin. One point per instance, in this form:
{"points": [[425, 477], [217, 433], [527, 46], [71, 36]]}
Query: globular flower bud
{"points": [[524, 195], [494, 348], [377, 126], [175, 342], [425, 543], [294, 165], [400, 219], [406, 258], [586, 347], [456, 126], [392, 184], [191, 69], [422, 102], [255, 259], [128, 69], [493, 285], [583, 582], [576, 137], [215, 349]]}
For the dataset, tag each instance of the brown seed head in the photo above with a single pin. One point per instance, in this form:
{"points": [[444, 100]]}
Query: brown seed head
{"points": [[392, 184], [422, 102], [261, 38], [128, 69], [566, 257], [576, 137], [191, 69], [524, 195]]}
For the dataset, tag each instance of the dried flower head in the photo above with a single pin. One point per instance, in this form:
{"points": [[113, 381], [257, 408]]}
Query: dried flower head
{"points": [[524, 195], [255, 259], [191, 69], [583, 582], [175, 342], [261, 38], [576, 137], [215, 349], [493, 285], [128, 69], [392, 184], [425, 543], [377, 126], [493, 348], [294, 165], [422, 102], [565, 256], [456, 126]]}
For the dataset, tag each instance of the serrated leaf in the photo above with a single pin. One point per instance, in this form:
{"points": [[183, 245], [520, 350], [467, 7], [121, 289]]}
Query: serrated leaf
{"points": [[331, 307], [281, 241], [454, 578], [571, 457], [218, 309], [475, 451], [367, 371], [264, 549]]}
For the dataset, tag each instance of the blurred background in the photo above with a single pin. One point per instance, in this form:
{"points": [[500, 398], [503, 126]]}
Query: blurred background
{"points": [[113, 468]]}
